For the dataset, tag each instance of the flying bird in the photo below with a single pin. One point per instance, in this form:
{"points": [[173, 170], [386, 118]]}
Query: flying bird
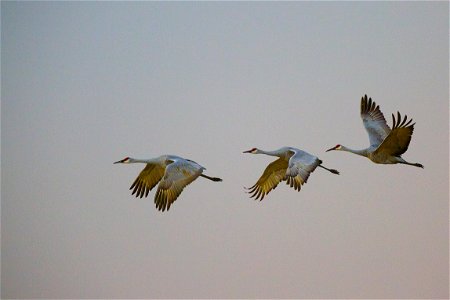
{"points": [[293, 166], [386, 144], [172, 172]]}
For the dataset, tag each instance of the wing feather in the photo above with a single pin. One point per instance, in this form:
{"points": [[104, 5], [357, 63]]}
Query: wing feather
{"points": [[301, 165], [147, 179], [373, 121], [274, 173], [178, 175], [397, 142]]}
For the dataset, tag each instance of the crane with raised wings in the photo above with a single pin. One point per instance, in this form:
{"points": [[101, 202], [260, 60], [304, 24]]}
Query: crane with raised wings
{"points": [[386, 144]]}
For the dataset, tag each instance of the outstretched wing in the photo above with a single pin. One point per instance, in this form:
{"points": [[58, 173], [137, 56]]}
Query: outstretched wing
{"points": [[178, 175], [373, 121], [397, 142], [273, 174], [301, 165], [147, 179]]}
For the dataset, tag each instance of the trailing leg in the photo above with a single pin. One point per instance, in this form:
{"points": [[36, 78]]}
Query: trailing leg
{"points": [[211, 178], [330, 170]]}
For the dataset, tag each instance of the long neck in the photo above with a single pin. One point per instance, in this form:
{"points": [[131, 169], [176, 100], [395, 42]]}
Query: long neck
{"points": [[362, 152], [138, 160], [277, 153]]}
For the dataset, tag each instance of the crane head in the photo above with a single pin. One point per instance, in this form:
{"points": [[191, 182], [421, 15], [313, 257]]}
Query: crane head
{"points": [[253, 151], [123, 161], [337, 147]]}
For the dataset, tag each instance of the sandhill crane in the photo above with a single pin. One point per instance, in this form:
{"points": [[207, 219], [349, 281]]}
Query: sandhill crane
{"points": [[172, 172], [292, 166], [386, 144]]}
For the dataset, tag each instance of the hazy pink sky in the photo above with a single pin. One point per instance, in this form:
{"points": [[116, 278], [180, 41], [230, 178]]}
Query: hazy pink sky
{"points": [[85, 84]]}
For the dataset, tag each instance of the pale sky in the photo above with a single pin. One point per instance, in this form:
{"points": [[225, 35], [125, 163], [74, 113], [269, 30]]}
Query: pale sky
{"points": [[85, 84]]}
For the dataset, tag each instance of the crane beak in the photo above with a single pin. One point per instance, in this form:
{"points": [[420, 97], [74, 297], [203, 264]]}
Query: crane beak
{"points": [[248, 151], [123, 161], [334, 148]]}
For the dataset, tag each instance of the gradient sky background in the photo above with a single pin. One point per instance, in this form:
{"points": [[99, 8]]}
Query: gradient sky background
{"points": [[86, 84]]}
